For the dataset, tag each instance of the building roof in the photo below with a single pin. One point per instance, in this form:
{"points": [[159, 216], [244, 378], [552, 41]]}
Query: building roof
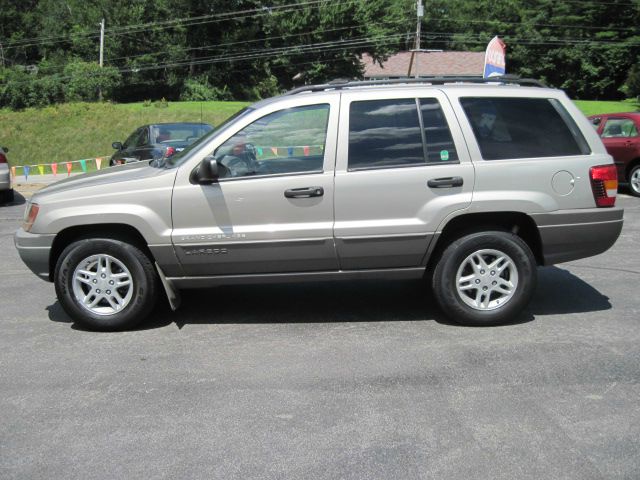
{"points": [[429, 64]]}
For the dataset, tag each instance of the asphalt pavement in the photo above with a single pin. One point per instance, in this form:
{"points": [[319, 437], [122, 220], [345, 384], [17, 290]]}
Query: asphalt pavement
{"points": [[358, 380]]}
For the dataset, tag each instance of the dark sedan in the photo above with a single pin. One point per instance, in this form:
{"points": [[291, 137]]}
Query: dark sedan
{"points": [[157, 141]]}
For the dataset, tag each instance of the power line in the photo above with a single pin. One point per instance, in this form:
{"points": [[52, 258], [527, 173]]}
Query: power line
{"points": [[552, 25], [183, 22], [464, 37], [257, 54], [258, 40]]}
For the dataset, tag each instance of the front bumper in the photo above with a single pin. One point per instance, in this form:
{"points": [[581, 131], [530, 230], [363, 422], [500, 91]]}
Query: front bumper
{"points": [[572, 234], [35, 250]]}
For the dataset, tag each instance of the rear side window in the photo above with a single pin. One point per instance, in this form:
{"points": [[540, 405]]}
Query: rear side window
{"points": [[437, 136], [619, 127], [523, 128], [398, 133], [384, 133]]}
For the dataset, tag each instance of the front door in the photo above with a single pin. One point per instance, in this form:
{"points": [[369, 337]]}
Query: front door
{"points": [[272, 209]]}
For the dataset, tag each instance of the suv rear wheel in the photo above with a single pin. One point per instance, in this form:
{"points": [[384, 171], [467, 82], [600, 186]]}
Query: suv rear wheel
{"points": [[105, 284], [485, 278]]}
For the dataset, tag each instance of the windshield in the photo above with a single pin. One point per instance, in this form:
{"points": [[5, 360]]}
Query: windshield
{"points": [[178, 158]]}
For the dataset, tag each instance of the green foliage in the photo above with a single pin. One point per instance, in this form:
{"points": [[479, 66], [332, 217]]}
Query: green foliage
{"points": [[250, 51], [85, 80], [21, 89], [585, 48], [199, 89], [632, 85], [162, 103]]}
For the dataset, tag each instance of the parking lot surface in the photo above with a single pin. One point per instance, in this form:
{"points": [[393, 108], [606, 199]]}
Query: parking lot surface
{"points": [[358, 380]]}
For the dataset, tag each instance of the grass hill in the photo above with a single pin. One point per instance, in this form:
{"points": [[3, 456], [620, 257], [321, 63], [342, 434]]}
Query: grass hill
{"points": [[86, 130], [75, 131]]}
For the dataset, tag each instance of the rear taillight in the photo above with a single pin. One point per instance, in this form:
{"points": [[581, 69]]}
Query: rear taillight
{"points": [[30, 216], [604, 183], [3, 158], [170, 151]]}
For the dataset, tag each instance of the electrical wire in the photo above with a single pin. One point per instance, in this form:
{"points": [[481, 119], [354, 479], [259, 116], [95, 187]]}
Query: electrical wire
{"points": [[188, 21]]}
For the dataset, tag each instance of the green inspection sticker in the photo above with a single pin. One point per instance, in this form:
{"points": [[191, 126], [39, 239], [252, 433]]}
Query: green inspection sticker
{"points": [[444, 155]]}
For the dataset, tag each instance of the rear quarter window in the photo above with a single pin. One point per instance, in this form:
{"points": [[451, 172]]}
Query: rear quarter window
{"points": [[514, 127]]}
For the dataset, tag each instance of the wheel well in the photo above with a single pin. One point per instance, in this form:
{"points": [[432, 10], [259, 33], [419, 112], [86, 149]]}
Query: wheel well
{"points": [[116, 231], [515, 222], [630, 165]]}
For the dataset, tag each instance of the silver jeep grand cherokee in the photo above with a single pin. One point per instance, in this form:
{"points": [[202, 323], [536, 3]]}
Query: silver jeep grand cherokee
{"points": [[472, 184]]}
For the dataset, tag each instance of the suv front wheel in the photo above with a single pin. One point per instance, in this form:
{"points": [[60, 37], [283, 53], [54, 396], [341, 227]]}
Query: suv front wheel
{"points": [[105, 284], [485, 278]]}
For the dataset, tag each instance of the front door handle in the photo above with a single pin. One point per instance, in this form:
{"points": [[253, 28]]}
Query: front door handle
{"points": [[446, 182], [305, 192]]}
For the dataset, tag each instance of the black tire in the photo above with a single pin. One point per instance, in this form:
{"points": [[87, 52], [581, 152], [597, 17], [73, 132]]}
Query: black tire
{"points": [[144, 284], [452, 259], [634, 189], [7, 196]]}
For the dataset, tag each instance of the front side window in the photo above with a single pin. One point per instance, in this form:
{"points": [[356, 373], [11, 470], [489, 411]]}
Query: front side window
{"points": [[511, 128], [284, 142], [384, 133], [132, 141], [143, 139], [619, 127]]}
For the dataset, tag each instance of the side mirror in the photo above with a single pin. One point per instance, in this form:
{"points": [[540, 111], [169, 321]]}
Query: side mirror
{"points": [[207, 172], [117, 145], [6, 149]]}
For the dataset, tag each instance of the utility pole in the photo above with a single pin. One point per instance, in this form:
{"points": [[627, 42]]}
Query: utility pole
{"points": [[416, 50], [101, 54], [101, 42], [420, 14]]}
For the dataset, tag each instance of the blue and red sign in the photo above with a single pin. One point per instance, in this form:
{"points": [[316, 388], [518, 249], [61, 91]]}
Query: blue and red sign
{"points": [[494, 59]]}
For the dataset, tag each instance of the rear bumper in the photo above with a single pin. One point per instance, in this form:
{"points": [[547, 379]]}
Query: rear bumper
{"points": [[5, 180], [571, 234], [34, 250]]}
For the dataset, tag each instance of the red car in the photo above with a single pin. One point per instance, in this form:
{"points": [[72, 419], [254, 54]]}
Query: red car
{"points": [[619, 133]]}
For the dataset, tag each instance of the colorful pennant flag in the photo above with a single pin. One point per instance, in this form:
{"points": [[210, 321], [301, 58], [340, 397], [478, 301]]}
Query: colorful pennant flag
{"points": [[41, 169], [26, 169], [98, 162], [275, 151], [290, 151], [13, 172], [306, 151], [69, 167], [54, 169], [83, 165]]}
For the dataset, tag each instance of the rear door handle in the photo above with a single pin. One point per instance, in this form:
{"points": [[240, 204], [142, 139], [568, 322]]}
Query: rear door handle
{"points": [[446, 182], [305, 192]]}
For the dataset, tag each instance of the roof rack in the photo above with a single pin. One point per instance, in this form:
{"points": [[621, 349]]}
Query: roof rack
{"points": [[344, 83]]}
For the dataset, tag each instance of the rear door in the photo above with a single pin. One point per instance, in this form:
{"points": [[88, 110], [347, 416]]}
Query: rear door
{"points": [[402, 167], [272, 210]]}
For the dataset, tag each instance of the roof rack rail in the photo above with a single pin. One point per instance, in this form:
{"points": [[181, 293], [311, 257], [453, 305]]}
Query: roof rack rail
{"points": [[342, 83]]}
